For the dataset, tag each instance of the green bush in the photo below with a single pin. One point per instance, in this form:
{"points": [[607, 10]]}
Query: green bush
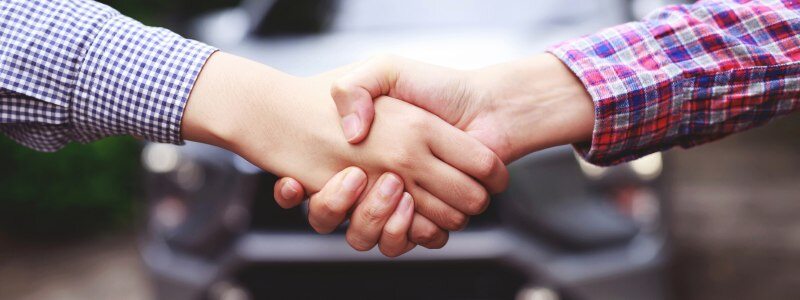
{"points": [[172, 13], [79, 190]]}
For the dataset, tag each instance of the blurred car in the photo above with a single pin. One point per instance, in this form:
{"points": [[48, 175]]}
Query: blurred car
{"points": [[563, 230]]}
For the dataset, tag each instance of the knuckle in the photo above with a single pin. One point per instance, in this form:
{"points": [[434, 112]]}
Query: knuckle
{"points": [[335, 206], [485, 164], [402, 159], [456, 222], [436, 243], [390, 251], [425, 236], [393, 234], [374, 214], [358, 243], [321, 208], [319, 228], [319, 225], [477, 201], [338, 90]]}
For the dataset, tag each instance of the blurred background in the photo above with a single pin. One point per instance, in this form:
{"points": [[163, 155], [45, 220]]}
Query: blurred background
{"points": [[75, 224]]}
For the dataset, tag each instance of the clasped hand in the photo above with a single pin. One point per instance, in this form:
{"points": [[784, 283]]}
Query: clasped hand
{"points": [[405, 173]]}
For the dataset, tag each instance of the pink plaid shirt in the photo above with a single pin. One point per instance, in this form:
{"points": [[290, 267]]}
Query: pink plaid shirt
{"points": [[687, 74]]}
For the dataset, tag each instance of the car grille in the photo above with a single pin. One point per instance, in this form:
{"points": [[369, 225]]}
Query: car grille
{"points": [[390, 280]]}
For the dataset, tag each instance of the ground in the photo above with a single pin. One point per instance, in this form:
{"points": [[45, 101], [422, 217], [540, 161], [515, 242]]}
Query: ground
{"points": [[96, 268]]}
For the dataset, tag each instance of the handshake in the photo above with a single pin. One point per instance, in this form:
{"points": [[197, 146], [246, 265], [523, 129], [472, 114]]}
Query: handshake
{"points": [[405, 150]]}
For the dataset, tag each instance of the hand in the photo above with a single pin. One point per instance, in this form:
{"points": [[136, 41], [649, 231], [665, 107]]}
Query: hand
{"points": [[287, 126], [514, 108], [329, 208]]}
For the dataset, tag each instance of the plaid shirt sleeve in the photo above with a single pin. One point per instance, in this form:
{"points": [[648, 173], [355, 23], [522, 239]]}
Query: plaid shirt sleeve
{"points": [[687, 75], [77, 70]]}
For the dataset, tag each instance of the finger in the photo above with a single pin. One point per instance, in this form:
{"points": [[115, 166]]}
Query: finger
{"points": [[328, 208], [369, 217], [354, 93], [394, 239], [437, 211], [288, 192], [408, 247], [465, 153], [455, 188], [426, 234]]}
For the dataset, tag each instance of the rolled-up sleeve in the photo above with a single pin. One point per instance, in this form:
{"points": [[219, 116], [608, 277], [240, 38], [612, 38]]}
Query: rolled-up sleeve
{"points": [[76, 70], [687, 74]]}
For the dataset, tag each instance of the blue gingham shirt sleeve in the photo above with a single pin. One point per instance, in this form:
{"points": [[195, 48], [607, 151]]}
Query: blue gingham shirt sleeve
{"points": [[77, 70]]}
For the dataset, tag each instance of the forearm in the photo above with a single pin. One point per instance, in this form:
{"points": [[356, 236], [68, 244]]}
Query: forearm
{"points": [[542, 103], [268, 117], [226, 87]]}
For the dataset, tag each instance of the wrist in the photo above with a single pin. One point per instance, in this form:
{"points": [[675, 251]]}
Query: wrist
{"points": [[202, 121], [276, 121], [542, 102], [225, 95]]}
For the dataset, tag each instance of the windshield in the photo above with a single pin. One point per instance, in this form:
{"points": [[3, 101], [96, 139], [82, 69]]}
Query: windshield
{"points": [[442, 14]]}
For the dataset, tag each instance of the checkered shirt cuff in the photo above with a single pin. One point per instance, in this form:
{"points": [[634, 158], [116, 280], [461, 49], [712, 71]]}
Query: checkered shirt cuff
{"points": [[135, 80], [637, 111]]}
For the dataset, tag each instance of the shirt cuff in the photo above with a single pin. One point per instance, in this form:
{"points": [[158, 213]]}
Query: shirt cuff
{"points": [[135, 80], [634, 90]]}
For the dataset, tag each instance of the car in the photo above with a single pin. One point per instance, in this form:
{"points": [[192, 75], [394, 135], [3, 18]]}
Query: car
{"points": [[564, 229]]}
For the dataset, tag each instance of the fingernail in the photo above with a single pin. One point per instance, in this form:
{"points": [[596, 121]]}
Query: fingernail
{"points": [[288, 192], [351, 125], [405, 204], [353, 179], [389, 186]]}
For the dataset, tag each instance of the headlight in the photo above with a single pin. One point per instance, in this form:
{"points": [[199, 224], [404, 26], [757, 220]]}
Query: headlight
{"points": [[160, 158], [648, 167], [590, 170], [168, 213], [228, 291], [537, 293], [199, 195]]}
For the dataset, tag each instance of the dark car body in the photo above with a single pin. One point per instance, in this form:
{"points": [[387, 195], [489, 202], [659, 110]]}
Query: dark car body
{"points": [[563, 230]]}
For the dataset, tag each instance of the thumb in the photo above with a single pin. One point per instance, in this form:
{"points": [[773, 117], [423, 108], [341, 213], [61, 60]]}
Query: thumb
{"points": [[354, 93]]}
